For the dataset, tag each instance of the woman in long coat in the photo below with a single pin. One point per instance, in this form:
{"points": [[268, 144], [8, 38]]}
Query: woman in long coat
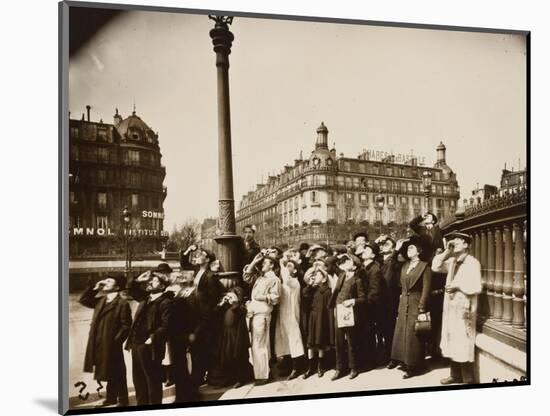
{"points": [[407, 347], [288, 337]]}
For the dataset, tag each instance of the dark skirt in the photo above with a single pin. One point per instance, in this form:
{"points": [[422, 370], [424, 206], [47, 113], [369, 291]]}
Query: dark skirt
{"points": [[407, 347]]}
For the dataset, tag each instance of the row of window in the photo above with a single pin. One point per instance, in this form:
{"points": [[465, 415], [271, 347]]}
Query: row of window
{"points": [[110, 155], [104, 200], [92, 133]]}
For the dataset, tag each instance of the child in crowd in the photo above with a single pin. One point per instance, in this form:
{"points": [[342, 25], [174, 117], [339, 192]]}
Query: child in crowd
{"points": [[318, 293]]}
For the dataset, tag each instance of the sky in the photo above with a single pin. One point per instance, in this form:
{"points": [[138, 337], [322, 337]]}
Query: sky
{"points": [[382, 88]]}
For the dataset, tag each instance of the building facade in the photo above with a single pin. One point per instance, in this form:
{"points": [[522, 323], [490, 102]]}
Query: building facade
{"points": [[328, 197], [112, 167]]}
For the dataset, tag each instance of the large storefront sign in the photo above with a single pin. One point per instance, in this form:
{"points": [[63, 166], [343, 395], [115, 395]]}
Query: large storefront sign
{"points": [[377, 155], [107, 232], [152, 214]]}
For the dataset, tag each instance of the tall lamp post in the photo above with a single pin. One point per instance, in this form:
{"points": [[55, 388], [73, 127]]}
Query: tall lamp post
{"points": [[126, 218], [380, 200], [228, 243], [427, 183]]}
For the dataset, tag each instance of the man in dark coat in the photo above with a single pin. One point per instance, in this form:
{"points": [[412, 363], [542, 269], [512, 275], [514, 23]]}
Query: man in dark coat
{"points": [[208, 293], [109, 329], [349, 292], [184, 317], [391, 271], [373, 337], [251, 247], [427, 227], [148, 335]]}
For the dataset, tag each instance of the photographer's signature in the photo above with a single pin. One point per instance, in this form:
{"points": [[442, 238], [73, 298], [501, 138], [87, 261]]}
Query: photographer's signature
{"points": [[515, 380]]}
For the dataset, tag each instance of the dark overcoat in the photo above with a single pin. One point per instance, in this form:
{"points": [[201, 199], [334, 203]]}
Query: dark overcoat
{"points": [[109, 329], [157, 323], [357, 292], [407, 347], [320, 327]]}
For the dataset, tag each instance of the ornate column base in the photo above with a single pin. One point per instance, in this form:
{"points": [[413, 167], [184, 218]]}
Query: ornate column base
{"points": [[229, 251]]}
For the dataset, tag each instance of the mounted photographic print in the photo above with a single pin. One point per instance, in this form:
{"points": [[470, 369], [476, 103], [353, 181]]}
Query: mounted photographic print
{"points": [[266, 208]]}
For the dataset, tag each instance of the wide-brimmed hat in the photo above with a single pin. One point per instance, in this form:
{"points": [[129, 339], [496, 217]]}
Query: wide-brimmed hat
{"points": [[422, 243], [458, 234], [163, 268], [239, 292], [303, 246]]}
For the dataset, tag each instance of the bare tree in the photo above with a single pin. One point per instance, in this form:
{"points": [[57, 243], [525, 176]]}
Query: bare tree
{"points": [[183, 236]]}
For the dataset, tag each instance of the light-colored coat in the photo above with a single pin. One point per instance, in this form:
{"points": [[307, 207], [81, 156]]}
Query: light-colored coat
{"points": [[288, 338], [458, 329]]}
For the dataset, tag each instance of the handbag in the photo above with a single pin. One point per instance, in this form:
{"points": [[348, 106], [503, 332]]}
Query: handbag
{"points": [[423, 324]]}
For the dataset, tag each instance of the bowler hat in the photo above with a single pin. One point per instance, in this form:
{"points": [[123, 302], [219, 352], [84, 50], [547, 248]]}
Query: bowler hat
{"points": [[433, 216], [458, 234], [163, 268], [303, 246], [119, 278]]}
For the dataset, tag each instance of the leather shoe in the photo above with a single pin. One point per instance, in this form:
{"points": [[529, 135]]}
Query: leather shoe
{"points": [[106, 403], [449, 380], [261, 382], [391, 365], [307, 374], [409, 374], [336, 375], [293, 374], [353, 374]]}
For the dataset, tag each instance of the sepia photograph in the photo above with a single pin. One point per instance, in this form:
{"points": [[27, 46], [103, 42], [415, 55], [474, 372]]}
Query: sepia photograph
{"points": [[265, 207]]}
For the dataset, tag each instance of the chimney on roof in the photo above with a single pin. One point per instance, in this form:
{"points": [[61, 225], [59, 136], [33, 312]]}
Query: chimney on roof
{"points": [[88, 112], [117, 118]]}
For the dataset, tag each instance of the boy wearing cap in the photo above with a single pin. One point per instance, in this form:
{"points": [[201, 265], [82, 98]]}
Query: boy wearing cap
{"points": [[462, 286], [108, 330], [349, 292], [148, 334]]}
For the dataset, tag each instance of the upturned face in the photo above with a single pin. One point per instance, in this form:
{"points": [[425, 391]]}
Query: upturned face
{"points": [[319, 278], [360, 240], [248, 234], [110, 285], [367, 253], [320, 254], [387, 247], [200, 258], [215, 266], [346, 265], [412, 252], [155, 285], [232, 298], [267, 265], [460, 246], [291, 268]]}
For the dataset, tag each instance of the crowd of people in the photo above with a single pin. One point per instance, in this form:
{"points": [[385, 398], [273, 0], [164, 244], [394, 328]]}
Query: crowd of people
{"points": [[297, 312]]}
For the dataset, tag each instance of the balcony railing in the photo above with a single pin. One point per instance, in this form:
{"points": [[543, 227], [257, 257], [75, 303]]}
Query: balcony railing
{"points": [[499, 230]]}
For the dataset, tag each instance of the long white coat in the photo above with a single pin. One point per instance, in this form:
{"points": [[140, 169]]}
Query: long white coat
{"points": [[288, 338], [458, 327]]}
